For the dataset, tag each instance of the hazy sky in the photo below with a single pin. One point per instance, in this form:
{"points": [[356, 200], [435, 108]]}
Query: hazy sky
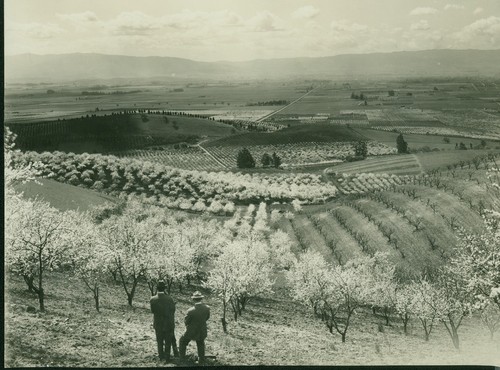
{"points": [[209, 30]]}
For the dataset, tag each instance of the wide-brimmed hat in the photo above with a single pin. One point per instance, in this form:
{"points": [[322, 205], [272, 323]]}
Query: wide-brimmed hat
{"points": [[161, 286], [197, 295]]}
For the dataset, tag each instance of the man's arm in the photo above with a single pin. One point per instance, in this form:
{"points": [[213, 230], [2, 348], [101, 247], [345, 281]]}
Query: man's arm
{"points": [[151, 302], [187, 319]]}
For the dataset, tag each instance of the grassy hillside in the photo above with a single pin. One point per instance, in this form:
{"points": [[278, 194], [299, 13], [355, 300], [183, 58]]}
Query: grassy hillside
{"points": [[395, 164], [71, 333], [115, 132], [412, 164], [417, 141], [64, 196]]}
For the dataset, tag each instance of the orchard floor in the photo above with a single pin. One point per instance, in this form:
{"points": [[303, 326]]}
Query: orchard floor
{"points": [[272, 331]]}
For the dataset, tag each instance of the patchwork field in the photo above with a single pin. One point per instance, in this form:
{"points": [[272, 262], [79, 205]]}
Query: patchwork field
{"points": [[31, 102]]}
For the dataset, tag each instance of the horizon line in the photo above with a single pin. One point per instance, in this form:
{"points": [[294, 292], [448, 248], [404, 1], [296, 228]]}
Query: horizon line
{"points": [[251, 60]]}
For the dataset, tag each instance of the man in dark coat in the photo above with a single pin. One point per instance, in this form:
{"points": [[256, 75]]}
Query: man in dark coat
{"points": [[163, 308], [196, 327]]}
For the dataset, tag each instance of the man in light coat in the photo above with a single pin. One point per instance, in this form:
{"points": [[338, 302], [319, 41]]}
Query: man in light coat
{"points": [[163, 309], [196, 327]]}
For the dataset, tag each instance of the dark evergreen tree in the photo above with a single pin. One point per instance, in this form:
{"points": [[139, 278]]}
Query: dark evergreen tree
{"points": [[276, 160], [402, 144], [266, 160], [245, 159], [360, 149]]}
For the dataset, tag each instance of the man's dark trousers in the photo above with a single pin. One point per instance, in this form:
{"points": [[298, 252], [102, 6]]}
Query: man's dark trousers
{"points": [[164, 340], [200, 346]]}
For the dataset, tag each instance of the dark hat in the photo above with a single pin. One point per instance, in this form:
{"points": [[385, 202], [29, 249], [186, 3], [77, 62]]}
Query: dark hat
{"points": [[161, 286], [197, 295]]}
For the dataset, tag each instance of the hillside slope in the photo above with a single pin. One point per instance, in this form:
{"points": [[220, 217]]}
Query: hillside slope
{"points": [[272, 331], [114, 132], [64, 196]]}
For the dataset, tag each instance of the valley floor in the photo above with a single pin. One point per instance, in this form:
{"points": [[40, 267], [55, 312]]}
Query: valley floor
{"points": [[272, 331]]}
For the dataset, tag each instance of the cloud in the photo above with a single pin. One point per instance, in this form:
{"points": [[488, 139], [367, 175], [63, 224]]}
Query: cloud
{"points": [[347, 26], [80, 18], [423, 11], [306, 12], [188, 19], [485, 26], [481, 33], [206, 24], [477, 11], [454, 7], [265, 22], [35, 30], [421, 25], [133, 23]]}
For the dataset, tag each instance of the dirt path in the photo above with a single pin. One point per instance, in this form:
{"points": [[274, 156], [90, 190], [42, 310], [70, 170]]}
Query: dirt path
{"points": [[419, 164], [210, 154]]}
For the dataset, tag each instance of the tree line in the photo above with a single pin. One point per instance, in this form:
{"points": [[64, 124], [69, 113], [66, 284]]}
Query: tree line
{"points": [[244, 159]]}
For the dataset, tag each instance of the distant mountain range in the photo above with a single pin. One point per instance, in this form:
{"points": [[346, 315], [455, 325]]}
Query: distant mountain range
{"points": [[63, 67]]}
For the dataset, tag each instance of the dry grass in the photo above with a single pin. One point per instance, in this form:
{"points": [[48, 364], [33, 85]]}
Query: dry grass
{"points": [[272, 331]]}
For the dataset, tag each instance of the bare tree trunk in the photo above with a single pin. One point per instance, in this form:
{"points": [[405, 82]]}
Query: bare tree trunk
{"points": [[40, 280], [453, 331], [96, 298], [41, 298], [427, 329], [386, 315], [132, 291], [234, 306], [405, 318], [29, 280], [223, 320], [151, 286]]}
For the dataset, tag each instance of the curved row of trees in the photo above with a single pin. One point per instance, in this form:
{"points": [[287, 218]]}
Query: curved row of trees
{"points": [[131, 176]]}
